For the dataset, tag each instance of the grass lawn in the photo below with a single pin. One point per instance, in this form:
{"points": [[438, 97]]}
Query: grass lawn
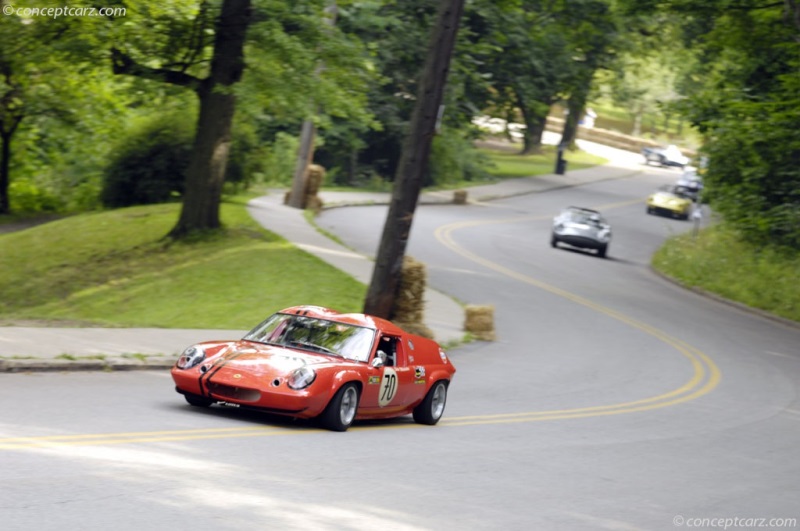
{"points": [[509, 164], [115, 268], [717, 261]]}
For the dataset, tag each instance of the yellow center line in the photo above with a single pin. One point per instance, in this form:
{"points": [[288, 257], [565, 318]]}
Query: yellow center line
{"points": [[705, 375]]}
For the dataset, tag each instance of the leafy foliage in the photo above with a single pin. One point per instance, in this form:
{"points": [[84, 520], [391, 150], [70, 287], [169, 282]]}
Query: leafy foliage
{"points": [[748, 110], [149, 163]]}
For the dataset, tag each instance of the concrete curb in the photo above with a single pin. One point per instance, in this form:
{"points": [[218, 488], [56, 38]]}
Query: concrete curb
{"points": [[106, 364]]}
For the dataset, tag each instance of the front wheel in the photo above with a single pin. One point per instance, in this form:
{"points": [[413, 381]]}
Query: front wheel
{"points": [[601, 252], [431, 408], [341, 410]]}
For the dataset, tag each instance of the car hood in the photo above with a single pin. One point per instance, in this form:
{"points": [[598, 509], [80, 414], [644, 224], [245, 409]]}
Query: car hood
{"points": [[665, 197], [259, 358]]}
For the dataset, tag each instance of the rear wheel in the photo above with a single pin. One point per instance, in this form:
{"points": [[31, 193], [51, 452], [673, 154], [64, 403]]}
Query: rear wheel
{"points": [[341, 410], [432, 407], [198, 401]]}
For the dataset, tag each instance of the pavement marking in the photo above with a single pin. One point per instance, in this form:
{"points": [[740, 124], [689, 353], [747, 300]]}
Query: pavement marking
{"points": [[782, 355], [706, 376]]}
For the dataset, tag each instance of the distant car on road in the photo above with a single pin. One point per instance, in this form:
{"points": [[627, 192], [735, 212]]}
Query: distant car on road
{"points": [[690, 183], [669, 156], [312, 362], [581, 227], [671, 200]]}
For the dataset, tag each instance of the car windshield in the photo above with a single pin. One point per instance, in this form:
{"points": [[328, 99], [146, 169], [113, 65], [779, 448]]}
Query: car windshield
{"points": [[584, 217], [678, 191], [316, 335]]}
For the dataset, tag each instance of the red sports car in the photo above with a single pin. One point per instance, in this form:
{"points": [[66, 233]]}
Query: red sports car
{"points": [[311, 362]]}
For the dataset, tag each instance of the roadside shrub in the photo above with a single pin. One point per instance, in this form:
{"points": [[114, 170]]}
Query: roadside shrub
{"points": [[29, 197], [280, 160], [148, 165], [455, 159]]}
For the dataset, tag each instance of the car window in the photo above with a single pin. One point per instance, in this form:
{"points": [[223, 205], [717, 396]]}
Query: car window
{"points": [[315, 335]]}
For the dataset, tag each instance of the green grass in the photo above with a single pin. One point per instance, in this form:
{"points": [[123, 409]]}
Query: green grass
{"points": [[115, 268], [509, 165], [717, 261]]}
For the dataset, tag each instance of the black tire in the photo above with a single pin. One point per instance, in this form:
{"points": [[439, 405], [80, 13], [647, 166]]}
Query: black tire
{"points": [[601, 252], [649, 210], [341, 410], [553, 242], [431, 408], [198, 401]]}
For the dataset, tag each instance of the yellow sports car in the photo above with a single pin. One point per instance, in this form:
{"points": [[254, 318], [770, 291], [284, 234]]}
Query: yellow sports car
{"points": [[670, 200]]}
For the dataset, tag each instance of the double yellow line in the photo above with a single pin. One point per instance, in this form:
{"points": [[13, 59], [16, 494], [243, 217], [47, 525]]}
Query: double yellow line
{"points": [[705, 374]]}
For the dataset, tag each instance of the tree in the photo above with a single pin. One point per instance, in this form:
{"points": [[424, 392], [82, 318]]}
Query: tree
{"points": [[29, 66], [382, 291], [744, 101], [592, 36], [206, 172]]}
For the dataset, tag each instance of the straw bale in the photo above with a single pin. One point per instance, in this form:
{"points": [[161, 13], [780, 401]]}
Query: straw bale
{"points": [[410, 303], [460, 197], [479, 321], [314, 203], [314, 178]]}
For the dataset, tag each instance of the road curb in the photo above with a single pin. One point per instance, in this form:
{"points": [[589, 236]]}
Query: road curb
{"points": [[718, 298], [64, 365]]}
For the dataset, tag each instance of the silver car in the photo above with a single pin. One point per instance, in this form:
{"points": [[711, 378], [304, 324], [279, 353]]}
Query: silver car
{"points": [[581, 227]]}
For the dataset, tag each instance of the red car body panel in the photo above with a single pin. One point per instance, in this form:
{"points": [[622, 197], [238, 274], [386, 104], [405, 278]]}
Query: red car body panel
{"points": [[255, 375]]}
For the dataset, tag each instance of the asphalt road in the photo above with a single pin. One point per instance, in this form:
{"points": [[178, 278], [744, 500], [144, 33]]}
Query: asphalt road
{"points": [[612, 399]]}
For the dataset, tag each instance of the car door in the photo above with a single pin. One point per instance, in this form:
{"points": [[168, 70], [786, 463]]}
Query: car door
{"points": [[387, 388]]}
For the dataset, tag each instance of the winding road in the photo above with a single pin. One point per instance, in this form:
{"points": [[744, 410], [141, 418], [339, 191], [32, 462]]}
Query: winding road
{"points": [[611, 399]]}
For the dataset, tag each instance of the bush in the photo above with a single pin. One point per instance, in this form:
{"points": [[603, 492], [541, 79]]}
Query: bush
{"points": [[149, 163], [29, 197], [280, 160], [454, 159]]}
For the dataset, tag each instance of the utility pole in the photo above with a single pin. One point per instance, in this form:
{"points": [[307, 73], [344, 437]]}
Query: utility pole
{"points": [[425, 118], [305, 151]]}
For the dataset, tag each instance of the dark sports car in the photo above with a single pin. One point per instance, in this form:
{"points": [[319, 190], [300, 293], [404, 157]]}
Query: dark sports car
{"points": [[312, 362], [668, 156]]}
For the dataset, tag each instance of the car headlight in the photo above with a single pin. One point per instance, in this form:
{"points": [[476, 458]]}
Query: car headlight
{"points": [[301, 378], [191, 356], [604, 235]]}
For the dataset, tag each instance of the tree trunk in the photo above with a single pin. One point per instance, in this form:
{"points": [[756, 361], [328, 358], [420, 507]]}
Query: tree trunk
{"points": [[305, 153], [5, 172], [575, 105], [382, 291], [534, 127], [206, 173]]}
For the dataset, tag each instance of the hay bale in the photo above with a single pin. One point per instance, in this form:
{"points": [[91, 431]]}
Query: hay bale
{"points": [[460, 197], [479, 321], [314, 178], [314, 203], [409, 306]]}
